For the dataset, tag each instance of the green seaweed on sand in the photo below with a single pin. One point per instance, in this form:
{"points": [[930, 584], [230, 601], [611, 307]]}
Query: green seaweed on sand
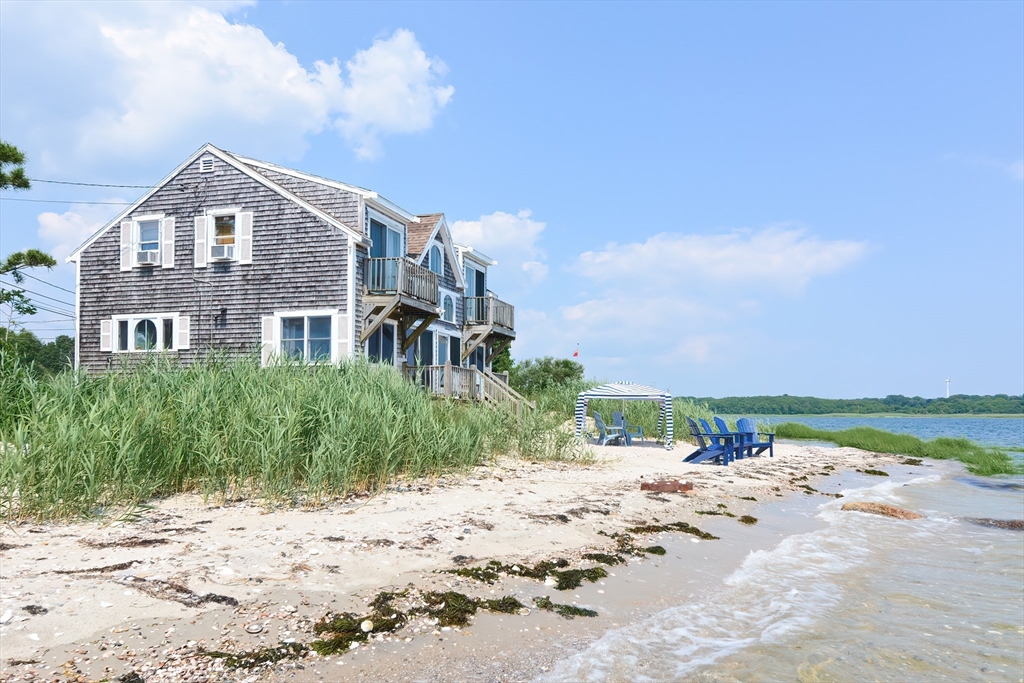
{"points": [[605, 558], [573, 578], [911, 461], [725, 513], [672, 526], [877, 473], [450, 608], [505, 605], [655, 550], [264, 655], [565, 579], [748, 498], [747, 519], [567, 611]]}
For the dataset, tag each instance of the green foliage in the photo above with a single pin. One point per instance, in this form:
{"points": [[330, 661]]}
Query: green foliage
{"points": [[44, 359], [15, 177], [979, 459], [503, 361], [534, 376], [16, 298], [808, 405], [73, 444]]}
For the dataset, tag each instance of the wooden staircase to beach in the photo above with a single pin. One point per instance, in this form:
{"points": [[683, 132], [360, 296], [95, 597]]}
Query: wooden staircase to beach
{"points": [[470, 383]]}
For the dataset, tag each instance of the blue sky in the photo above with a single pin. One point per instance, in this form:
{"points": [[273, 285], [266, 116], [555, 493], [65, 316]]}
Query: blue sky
{"points": [[720, 199]]}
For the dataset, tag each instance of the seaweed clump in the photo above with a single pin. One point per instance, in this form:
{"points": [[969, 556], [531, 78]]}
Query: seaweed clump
{"points": [[264, 655], [567, 611], [911, 461], [565, 579], [625, 545], [673, 526], [877, 473], [605, 558], [748, 498], [747, 519], [715, 512]]}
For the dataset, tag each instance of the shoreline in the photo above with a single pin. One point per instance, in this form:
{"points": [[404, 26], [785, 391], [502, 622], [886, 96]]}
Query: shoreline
{"points": [[110, 590]]}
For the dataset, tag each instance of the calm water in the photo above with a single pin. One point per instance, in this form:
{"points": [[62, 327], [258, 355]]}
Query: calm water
{"points": [[990, 431], [859, 598]]}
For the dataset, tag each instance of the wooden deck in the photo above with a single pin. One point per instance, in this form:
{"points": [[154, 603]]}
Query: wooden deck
{"points": [[398, 289], [466, 383]]}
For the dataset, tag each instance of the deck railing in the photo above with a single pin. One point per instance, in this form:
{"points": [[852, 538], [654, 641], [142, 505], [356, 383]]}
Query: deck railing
{"points": [[401, 276], [489, 310], [466, 383]]}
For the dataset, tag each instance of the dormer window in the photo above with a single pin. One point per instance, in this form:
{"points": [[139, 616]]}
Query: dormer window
{"points": [[434, 261]]}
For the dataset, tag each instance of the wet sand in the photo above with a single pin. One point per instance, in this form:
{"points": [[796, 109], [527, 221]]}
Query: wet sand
{"points": [[150, 592]]}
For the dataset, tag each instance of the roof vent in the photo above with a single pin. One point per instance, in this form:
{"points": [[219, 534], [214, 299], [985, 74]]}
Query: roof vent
{"points": [[206, 165]]}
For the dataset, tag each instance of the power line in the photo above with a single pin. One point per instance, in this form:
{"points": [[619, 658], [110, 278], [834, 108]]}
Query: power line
{"points": [[54, 311], [59, 201], [68, 182], [50, 284], [11, 284]]}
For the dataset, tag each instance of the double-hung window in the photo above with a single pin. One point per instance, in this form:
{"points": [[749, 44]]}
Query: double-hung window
{"points": [[147, 241], [223, 236], [306, 338]]}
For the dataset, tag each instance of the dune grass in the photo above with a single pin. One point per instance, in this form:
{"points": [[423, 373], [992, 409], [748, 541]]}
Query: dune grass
{"points": [[978, 459], [75, 445]]}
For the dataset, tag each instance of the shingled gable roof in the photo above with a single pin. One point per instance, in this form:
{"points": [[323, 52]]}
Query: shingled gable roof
{"points": [[237, 163], [419, 234]]}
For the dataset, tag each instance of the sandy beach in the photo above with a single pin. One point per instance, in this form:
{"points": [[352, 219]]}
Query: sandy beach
{"points": [[148, 593]]}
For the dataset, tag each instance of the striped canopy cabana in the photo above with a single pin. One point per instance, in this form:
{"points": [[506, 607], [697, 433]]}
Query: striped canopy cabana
{"points": [[627, 391]]}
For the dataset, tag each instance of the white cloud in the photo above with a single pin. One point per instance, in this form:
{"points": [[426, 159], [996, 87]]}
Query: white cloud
{"points": [[776, 257], [155, 77], [63, 232], [512, 240]]}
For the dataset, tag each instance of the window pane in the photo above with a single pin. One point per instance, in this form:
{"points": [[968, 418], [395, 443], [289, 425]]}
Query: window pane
{"points": [[168, 333], [442, 349], [449, 309], [224, 230], [470, 282], [122, 335], [394, 244], [377, 249], [319, 338], [436, 264], [426, 344], [149, 235], [387, 344], [293, 337], [145, 335], [456, 351]]}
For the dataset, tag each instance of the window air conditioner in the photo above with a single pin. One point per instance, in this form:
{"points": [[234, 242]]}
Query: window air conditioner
{"points": [[222, 252], [148, 258]]}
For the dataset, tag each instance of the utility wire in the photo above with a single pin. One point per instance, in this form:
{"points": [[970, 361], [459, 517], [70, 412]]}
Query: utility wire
{"points": [[11, 284], [58, 201], [54, 311], [49, 284], [68, 182]]}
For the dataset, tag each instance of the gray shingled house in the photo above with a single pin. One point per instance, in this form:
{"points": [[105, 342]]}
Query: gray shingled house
{"points": [[242, 256]]}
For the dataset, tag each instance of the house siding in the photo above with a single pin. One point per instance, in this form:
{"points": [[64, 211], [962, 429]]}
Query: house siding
{"points": [[338, 203], [299, 261]]}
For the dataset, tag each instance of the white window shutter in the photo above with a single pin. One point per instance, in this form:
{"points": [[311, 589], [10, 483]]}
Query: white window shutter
{"points": [[339, 335], [243, 223], [268, 339], [182, 332], [167, 243], [126, 245], [201, 240], [106, 340]]}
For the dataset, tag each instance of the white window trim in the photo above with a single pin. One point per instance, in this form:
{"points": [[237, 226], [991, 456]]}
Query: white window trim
{"points": [[137, 238], [331, 313], [133, 319], [441, 293], [211, 232], [475, 267]]}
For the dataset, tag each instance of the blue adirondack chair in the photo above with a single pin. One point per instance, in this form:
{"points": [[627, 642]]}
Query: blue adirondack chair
{"points": [[631, 431], [613, 434], [706, 450], [750, 442], [723, 428]]}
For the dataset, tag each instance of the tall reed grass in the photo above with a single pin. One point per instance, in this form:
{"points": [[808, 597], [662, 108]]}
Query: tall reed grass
{"points": [[978, 459], [74, 444]]}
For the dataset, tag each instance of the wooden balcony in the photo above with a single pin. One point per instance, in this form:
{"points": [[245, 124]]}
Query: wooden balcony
{"points": [[398, 289], [489, 321], [469, 383]]}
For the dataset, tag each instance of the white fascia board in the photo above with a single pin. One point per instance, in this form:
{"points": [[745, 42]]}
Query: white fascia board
{"points": [[380, 202], [270, 184], [479, 257], [449, 245], [73, 256]]}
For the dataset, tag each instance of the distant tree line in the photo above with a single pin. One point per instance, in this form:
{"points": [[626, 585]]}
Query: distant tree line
{"points": [[46, 358], [915, 405]]}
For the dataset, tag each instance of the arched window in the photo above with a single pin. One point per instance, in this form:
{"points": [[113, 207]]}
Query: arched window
{"points": [[145, 335], [436, 264], [449, 309]]}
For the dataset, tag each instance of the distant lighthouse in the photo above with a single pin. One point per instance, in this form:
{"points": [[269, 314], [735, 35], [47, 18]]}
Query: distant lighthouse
{"points": [[947, 386]]}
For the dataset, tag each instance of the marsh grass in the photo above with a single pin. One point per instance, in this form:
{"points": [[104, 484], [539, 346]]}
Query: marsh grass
{"points": [[74, 444], [978, 459]]}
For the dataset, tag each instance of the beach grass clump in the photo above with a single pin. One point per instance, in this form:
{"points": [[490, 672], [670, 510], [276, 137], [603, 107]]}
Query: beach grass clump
{"points": [[76, 444], [979, 460]]}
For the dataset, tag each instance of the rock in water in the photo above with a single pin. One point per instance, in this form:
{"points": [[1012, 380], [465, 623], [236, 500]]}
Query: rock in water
{"points": [[1015, 524], [882, 509]]}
